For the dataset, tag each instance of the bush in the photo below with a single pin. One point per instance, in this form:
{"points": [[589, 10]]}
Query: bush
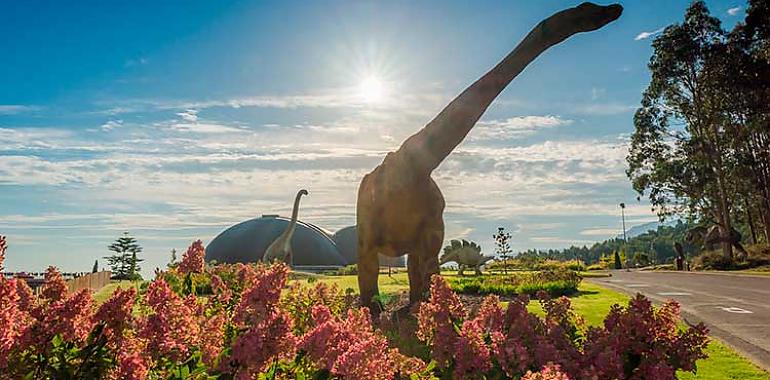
{"points": [[555, 283], [348, 270], [759, 256], [635, 342], [597, 266], [254, 325]]}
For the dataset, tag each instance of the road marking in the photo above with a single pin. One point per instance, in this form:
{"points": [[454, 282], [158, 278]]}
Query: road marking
{"points": [[637, 285], [674, 294], [736, 310]]}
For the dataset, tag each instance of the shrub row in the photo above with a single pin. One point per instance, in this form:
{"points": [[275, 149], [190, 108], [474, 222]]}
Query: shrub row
{"points": [[554, 282]]}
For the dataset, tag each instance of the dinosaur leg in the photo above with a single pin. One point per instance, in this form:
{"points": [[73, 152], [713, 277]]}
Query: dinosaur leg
{"points": [[478, 270], [430, 248], [368, 271], [415, 277], [741, 251]]}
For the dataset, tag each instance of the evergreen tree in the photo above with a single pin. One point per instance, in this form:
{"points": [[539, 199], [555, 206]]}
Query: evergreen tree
{"points": [[618, 264], [124, 261], [503, 247], [96, 266]]}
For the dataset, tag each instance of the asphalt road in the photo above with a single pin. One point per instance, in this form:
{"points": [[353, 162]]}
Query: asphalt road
{"points": [[736, 308]]}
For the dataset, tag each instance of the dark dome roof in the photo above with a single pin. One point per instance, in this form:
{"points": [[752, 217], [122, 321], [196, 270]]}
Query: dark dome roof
{"points": [[247, 241], [346, 240]]}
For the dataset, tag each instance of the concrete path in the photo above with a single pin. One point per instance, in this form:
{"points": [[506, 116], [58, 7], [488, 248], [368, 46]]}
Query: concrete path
{"points": [[736, 308]]}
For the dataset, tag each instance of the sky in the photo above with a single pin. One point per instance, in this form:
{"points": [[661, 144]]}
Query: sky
{"points": [[175, 120]]}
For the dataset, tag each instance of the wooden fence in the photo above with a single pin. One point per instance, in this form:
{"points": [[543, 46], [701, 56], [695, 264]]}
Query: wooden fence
{"points": [[94, 281]]}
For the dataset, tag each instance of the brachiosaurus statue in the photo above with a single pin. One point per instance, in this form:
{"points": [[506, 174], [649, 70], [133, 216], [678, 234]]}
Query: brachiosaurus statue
{"points": [[280, 248], [400, 207]]}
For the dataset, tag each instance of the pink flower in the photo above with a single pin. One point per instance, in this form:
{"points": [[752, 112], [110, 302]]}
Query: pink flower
{"points": [[221, 291], [54, 287], [471, 354], [257, 347], [436, 320], [172, 329], [115, 313], [349, 347], [27, 299], [550, 372], [192, 260], [12, 319], [69, 318], [257, 300], [212, 337], [132, 363]]}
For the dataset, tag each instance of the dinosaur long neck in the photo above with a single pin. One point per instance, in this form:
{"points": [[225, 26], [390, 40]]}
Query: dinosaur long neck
{"points": [[287, 234], [432, 144]]}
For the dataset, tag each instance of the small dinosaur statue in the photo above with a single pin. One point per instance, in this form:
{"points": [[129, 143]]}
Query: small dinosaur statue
{"points": [[280, 248], [400, 208], [466, 254], [708, 237]]}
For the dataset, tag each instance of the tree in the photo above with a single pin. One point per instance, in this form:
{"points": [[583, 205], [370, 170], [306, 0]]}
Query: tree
{"points": [[124, 261], [618, 264], [503, 246], [173, 262], [96, 266], [679, 152]]}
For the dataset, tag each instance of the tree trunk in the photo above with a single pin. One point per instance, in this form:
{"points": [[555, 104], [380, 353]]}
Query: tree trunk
{"points": [[750, 220]]}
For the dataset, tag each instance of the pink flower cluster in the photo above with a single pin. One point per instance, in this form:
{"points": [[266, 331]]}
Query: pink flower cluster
{"points": [[637, 342], [348, 347], [192, 259], [253, 324]]}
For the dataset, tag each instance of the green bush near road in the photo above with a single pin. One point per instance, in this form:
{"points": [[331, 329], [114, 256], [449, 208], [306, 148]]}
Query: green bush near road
{"points": [[556, 283]]}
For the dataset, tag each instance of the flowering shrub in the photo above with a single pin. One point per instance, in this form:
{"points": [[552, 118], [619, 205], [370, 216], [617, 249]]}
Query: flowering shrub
{"points": [[253, 325], [636, 342]]}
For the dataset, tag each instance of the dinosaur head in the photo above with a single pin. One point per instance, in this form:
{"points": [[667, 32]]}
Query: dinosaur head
{"points": [[302, 192], [585, 17]]}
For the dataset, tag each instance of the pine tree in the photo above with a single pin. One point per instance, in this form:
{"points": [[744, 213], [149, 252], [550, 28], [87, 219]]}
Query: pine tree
{"points": [[124, 261], [503, 247], [96, 266]]}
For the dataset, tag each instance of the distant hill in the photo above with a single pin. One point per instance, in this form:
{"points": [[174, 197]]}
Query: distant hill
{"points": [[641, 229]]}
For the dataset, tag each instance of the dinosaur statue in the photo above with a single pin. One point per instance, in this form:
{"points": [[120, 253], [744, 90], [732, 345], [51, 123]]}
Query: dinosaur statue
{"points": [[280, 248], [400, 208], [679, 256], [709, 237], [466, 254]]}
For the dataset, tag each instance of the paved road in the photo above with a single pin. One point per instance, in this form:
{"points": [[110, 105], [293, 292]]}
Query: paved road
{"points": [[736, 308]]}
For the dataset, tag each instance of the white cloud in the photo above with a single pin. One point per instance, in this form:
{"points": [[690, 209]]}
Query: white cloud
{"points": [[515, 127], [189, 115], [645, 35], [734, 11], [601, 232], [602, 108], [12, 109], [111, 124]]}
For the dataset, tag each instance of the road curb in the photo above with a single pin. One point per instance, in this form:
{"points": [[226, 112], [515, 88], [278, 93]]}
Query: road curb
{"points": [[702, 273]]}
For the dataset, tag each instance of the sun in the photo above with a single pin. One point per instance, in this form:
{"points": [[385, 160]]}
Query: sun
{"points": [[372, 89]]}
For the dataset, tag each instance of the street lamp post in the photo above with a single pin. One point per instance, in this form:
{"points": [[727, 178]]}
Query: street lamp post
{"points": [[623, 217]]}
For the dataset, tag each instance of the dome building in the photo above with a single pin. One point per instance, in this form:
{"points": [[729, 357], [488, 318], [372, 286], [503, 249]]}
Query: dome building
{"points": [[313, 248]]}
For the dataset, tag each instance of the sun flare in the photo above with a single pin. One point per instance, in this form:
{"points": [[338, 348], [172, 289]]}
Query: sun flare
{"points": [[372, 89]]}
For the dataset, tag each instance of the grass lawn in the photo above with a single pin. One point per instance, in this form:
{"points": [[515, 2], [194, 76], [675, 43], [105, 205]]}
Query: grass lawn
{"points": [[104, 293], [593, 302]]}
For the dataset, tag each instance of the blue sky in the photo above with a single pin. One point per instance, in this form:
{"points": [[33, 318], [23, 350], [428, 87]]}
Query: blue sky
{"points": [[174, 120]]}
